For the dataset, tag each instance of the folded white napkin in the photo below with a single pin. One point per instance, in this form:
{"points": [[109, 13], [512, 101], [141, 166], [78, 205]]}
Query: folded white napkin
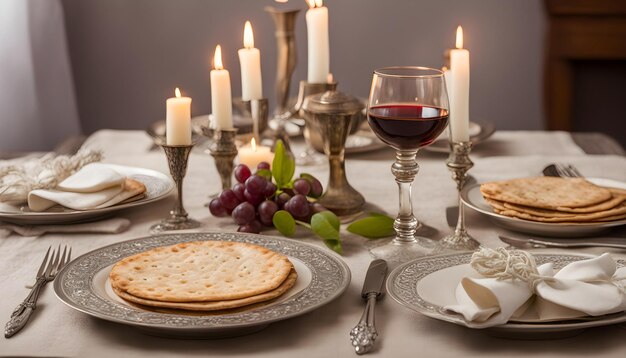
{"points": [[95, 185], [513, 287], [109, 226]]}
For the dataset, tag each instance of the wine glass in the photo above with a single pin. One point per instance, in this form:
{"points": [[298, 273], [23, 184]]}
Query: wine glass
{"points": [[407, 109]]}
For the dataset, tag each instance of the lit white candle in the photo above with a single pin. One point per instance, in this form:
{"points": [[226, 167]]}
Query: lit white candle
{"points": [[251, 155], [250, 62], [221, 95], [318, 48], [459, 91], [178, 120]]}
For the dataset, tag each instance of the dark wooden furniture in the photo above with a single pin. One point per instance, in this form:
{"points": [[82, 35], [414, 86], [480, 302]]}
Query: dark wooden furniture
{"points": [[579, 30]]}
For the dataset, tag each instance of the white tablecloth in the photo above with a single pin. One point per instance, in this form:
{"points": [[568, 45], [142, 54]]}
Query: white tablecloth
{"points": [[57, 330]]}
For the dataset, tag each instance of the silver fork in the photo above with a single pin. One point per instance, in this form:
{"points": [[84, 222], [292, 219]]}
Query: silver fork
{"points": [[567, 170], [51, 265]]}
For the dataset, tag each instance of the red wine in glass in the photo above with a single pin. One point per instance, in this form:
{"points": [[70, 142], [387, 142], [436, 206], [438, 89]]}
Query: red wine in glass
{"points": [[407, 126]]}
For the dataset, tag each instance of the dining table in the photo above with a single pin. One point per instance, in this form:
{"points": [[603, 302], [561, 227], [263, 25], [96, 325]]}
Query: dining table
{"points": [[57, 330]]}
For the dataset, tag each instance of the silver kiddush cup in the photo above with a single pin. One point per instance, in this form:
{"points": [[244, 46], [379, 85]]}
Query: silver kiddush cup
{"points": [[332, 114]]}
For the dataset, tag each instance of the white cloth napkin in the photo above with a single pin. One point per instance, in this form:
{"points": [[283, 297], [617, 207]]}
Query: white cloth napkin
{"points": [[96, 185], [109, 226], [516, 289]]}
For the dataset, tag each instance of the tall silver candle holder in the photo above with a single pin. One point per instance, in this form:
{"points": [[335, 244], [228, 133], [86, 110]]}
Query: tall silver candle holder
{"points": [[224, 151], [285, 24], [332, 114], [459, 163], [258, 110], [177, 159]]}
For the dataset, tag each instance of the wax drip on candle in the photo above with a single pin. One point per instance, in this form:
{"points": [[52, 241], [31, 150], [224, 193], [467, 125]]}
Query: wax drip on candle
{"points": [[315, 3]]}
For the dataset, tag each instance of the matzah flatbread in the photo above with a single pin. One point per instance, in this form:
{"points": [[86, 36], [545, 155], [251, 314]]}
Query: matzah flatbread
{"points": [[546, 192], [201, 271]]}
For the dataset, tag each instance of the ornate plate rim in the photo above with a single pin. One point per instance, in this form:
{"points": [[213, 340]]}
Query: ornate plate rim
{"points": [[155, 320], [86, 215], [415, 303]]}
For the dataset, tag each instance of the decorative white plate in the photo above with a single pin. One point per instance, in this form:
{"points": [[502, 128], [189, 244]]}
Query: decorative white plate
{"points": [[83, 285], [158, 186], [426, 285], [471, 196], [479, 132]]}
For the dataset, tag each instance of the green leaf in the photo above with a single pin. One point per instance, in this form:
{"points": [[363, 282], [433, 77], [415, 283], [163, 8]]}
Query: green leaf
{"points": [[284, 222], [326, 226], [283, 165], [373, 227], [265, 173]]}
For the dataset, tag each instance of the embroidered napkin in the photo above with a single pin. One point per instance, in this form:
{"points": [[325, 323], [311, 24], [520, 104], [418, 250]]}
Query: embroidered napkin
{"points": [[513, 287], [95, 186]]}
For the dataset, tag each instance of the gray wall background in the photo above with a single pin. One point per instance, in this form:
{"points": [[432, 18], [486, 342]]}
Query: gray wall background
{"points": [[128, 56]]}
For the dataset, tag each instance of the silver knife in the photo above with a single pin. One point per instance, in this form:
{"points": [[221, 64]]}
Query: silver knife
{"points": [[364, 333], [563, 244]]}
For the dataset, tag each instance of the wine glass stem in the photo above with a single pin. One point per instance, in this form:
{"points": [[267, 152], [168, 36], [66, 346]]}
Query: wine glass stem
{"points": [[404, 169]]}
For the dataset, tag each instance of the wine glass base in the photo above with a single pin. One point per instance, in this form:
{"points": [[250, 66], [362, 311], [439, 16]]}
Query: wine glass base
{"points": [[462, 242], [173, 224], [310, 158], [396, 252]]}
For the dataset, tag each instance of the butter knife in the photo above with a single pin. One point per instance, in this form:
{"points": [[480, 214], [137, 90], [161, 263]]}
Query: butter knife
{"points": [[364, 333], [561, 243]]}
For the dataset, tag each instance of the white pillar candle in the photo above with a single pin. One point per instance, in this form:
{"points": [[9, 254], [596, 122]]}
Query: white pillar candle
{"points": [[251, 155], [318, 48], [178, 120], [250, 62], [221, 95], [459, 93]]}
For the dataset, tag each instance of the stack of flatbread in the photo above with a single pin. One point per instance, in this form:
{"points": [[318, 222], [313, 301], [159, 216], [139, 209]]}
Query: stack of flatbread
{"points": [[203, 276], [555, 200]]}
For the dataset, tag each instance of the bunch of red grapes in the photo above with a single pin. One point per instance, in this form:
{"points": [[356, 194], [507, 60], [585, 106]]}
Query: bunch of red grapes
{"points": [[253, 201]]}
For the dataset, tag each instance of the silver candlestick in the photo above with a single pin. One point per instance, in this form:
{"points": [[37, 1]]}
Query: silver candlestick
{"points": [[224, 151], [177, 158], [459, 163], [258, 110]]}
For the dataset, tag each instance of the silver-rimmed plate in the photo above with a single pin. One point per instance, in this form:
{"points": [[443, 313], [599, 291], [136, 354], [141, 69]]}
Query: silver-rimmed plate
{"points": [[158, 186], [471, 196], [426, 285], [83, 285], [479, 132]]}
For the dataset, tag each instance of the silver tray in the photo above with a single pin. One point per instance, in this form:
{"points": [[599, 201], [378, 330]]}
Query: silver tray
{"points": [[409, 285], [471, 196], [483, 130], [158, 186], [83, 285]]}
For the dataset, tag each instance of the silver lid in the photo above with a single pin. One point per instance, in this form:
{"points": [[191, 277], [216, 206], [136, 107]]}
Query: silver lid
{"points": [[332, 102]]}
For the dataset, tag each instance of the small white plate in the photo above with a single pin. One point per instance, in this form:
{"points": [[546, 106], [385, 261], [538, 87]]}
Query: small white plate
{"points": [[471, 196], [158, 186], [426, 285]]}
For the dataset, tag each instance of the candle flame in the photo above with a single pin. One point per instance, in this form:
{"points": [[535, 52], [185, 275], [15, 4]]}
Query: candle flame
{"points": [[315, 3], [253, 145], [459, 37], [248, 36], [217, 59], [444, 69], [177, 92]]}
